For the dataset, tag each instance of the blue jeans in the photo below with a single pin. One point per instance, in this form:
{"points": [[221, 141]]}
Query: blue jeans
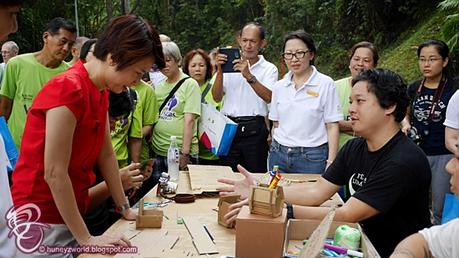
{"points": [[305, 160], [440, 184]]}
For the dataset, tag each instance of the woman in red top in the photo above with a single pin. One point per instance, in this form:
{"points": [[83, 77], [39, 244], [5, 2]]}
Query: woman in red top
{"points": [[67, 134]]}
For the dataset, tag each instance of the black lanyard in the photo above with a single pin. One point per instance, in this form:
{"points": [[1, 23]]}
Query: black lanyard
{"points": [[437, 95]]}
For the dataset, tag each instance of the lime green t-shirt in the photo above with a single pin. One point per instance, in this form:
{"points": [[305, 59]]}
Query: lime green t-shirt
{"points": [[130, 126], [343, 88], [205, 153], [149, 111], [23, 78], [187, 99]]}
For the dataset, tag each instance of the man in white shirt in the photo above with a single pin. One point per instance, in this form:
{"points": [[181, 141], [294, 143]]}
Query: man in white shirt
{"points": [[246, 95], [9, 49], [438, 241]]}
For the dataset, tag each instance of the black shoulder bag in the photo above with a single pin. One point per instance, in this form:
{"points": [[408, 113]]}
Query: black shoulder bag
{"points": [[176, 87]]}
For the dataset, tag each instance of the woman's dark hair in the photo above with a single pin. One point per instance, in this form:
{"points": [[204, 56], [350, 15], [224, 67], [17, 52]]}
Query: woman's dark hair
{"points": [[442, 49], [86, 47], [11, 2], [129, 39], [388, 87], [121, 104], [369, 45], [205, 56], [303, 36]]}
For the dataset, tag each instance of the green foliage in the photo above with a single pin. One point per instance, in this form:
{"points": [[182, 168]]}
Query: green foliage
{"points": [[451, 28]]}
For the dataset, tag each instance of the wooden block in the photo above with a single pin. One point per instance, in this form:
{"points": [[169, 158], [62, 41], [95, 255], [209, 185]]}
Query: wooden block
{"points": [[150, 218], [223, 206], [265, 201]]}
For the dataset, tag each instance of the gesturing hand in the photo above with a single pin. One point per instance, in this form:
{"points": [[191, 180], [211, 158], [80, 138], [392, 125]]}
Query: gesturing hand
{"points": [[237, 187]]}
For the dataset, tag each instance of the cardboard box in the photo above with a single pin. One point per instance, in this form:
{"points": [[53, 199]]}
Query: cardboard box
{"points": [[223, 206], [298, 230], [149, 218], [259, 236], [265, 201]]}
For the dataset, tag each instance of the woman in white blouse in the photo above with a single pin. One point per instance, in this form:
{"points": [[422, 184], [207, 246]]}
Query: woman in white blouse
{"points": [[305, 110]]}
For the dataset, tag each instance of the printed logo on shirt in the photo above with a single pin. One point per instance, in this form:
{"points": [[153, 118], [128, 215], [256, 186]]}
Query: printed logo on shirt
{"points": [[167, 113], [23, 224], [356, 182], [422, 108], [120, 125]]}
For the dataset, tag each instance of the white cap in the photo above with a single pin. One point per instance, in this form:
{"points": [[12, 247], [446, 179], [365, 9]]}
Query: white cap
{"points": [[173, 137]]}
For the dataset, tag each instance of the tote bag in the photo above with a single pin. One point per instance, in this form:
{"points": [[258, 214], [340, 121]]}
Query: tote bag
{"points": [[450, 208], [216, 131]]}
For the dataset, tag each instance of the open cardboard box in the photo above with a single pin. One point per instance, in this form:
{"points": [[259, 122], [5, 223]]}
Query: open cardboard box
{"points": [[258, 235], [298, 230]]}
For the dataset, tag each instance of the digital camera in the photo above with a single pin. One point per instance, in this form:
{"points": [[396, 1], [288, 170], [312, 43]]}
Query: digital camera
{"points": [[414, 135]]}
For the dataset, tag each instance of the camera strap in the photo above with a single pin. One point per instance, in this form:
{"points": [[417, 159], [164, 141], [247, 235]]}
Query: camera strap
{"points": [[437, 95], [177, 86]]}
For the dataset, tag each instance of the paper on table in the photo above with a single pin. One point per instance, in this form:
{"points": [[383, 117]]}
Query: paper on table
{"points": [[203, 178]]}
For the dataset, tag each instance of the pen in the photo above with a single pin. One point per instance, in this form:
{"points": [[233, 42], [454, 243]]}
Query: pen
{"points": [[208, 233], [343, 250]]}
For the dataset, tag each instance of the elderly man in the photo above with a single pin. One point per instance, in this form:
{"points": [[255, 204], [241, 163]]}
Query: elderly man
{"points": [[76, 48], [9, 49], [26, 74]]}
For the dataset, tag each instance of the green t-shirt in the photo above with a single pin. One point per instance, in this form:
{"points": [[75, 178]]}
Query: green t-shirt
{"points": [[23, 78], [131, 125], [187, 99], [343, 87], [149, 111], [205, 153]]}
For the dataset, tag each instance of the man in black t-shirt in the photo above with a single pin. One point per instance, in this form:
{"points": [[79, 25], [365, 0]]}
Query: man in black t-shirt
{"points": [[388, 176]]}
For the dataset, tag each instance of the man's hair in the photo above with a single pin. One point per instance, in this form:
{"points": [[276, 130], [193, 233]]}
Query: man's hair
{"points": [[12, 46], [205, 56], [171, 50], [129, 39], [11, 2], [369, 45], [79, 42], [58, 23], [388, 87], [121, 104], [260, 28]]}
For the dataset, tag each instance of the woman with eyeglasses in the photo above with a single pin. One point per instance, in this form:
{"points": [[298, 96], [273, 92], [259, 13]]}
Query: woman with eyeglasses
{"points": [[425, 117], [305, 110], [364, 56]]}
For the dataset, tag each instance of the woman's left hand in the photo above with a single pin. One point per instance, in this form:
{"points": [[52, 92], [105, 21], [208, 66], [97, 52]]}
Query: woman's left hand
{"points": [[130, 214]]}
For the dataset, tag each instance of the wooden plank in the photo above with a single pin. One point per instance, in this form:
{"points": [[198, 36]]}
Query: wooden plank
{"points": [[201, 239]]}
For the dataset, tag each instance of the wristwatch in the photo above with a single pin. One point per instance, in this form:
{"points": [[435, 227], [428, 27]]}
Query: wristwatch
{"points": [[290, 211], [252, 79], [122, 208]]}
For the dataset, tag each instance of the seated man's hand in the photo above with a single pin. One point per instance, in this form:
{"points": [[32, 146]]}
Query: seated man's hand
{"points": [[241, 187], [233, 211]]}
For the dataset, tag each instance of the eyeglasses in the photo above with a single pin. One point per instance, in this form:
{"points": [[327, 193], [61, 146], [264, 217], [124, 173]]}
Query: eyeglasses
{"points": [[429, 60], [298, 54]]}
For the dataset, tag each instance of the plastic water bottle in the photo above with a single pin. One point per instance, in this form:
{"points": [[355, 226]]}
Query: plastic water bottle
{"points": [[173, 156]]}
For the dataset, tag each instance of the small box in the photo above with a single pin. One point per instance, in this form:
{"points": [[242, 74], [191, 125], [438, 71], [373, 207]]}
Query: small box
{"points": [[223, 205], [258, 235], [299, 230], [149, 218], [265, 201]]}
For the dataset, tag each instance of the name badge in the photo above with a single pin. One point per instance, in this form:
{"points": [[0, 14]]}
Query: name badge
{"points": [[312, 93]]}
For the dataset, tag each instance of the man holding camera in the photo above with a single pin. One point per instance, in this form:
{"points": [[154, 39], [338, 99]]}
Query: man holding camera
{"points": [[247, 94]]}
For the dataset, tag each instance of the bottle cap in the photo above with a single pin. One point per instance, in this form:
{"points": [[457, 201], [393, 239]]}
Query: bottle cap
{"points": [[173, 137]]}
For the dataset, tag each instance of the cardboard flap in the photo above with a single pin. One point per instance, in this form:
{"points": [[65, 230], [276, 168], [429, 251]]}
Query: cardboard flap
{"points": [[317, 239], [203, 178]]}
